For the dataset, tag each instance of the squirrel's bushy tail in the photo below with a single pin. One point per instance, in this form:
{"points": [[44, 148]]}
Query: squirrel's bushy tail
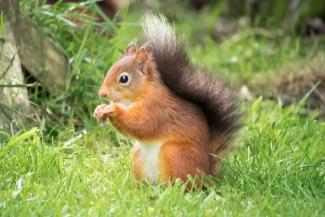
{"points": [[168, 51], [216, 100]]}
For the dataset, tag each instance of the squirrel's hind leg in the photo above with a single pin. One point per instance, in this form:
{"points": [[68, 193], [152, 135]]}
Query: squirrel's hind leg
{"points": [[181, 161]]}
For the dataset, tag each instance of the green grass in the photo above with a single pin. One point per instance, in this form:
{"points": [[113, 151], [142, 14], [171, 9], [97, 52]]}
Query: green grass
{"points": [[279, 170], [67, 165]]}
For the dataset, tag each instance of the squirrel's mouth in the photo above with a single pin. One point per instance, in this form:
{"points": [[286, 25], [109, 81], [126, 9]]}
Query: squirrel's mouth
{"points": [[123, 105]]}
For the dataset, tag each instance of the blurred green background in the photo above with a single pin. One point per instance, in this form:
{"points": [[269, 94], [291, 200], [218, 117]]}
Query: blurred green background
{"points": [[241, 40]]}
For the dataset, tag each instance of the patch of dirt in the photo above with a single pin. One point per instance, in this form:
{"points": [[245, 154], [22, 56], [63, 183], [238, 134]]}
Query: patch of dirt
{"points": [[295, 82]]}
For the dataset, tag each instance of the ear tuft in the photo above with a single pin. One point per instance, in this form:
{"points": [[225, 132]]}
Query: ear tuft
{"points": [[131, 49], [142, 56]]}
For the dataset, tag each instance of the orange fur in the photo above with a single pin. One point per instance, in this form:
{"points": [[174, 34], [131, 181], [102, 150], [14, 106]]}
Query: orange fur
{"points": [[137, 167], [180, 160]]}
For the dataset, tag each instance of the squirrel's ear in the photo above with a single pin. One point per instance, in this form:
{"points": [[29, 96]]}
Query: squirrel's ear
{"points": [[141, 56], [131, 49]]}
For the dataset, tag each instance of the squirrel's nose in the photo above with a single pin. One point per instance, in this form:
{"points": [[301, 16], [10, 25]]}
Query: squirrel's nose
{"points": [[102, 92]]}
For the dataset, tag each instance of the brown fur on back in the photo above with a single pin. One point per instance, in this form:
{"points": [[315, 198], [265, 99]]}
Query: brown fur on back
{"points": [[210, 93]]}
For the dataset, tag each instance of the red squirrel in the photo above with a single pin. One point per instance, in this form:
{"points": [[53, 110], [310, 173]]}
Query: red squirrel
{"points": [[181, 118]]}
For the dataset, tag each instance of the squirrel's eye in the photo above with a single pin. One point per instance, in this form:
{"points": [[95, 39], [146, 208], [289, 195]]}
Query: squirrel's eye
{"points": [[124, 79]]}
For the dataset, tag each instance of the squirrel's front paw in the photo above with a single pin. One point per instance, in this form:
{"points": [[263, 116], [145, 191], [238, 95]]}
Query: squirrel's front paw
{"points": [[103, 111], [99, 113]]}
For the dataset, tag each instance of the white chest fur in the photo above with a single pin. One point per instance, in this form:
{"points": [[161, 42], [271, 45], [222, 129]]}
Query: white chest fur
{"points": [[149, 153], [125, 106]]}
